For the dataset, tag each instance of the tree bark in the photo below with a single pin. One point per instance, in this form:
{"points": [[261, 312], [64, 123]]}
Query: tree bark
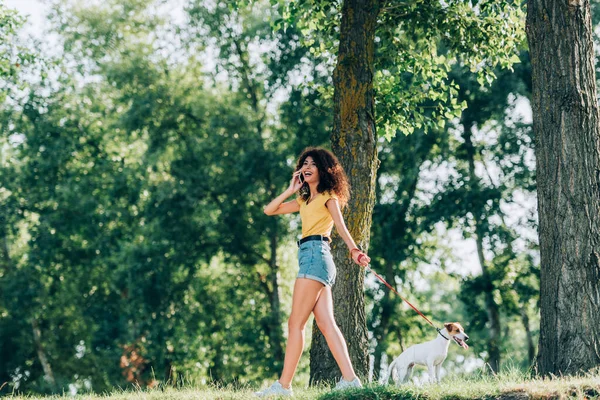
{"points": [[565, 121], [354, 141], [492, 309], [37, 338]]}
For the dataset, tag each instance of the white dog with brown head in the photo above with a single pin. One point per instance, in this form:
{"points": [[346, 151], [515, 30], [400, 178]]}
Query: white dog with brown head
{"points": [[430, 354]]}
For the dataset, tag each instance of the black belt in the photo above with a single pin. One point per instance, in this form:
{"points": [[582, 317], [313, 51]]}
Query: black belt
{"points": [[313, 237]]}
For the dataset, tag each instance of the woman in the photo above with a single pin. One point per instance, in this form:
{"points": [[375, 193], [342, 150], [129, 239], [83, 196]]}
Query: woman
{"points": [[323, 191]]}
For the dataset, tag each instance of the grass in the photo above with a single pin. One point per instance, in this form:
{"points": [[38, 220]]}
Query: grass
{"points": [[502, 387], [506, 386]]}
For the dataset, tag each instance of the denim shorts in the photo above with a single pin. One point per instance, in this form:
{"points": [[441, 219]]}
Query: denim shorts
{"points": [[316, 262]]}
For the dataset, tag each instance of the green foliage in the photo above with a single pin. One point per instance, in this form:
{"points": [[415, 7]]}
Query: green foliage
{"points": [[133, 176], [480, 202], [10, 22], [417, 44], [13, 54], [424, 179], [143, 230]]}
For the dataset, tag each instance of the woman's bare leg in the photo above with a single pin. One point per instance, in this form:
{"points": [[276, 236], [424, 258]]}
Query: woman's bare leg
{"points": [[337, 344], [306, 294]]}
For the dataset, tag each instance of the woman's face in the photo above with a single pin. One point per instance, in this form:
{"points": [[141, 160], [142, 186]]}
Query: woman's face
{"points": [[310, 170]]}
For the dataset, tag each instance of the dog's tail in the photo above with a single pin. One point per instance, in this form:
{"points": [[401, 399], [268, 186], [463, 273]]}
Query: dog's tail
{"points": [[389, 372]]}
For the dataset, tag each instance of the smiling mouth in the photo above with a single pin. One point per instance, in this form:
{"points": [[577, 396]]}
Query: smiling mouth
{"points": [[460, 342]]}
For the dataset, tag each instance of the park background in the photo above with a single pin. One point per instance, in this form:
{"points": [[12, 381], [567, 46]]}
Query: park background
{"points": [[141, 140]]}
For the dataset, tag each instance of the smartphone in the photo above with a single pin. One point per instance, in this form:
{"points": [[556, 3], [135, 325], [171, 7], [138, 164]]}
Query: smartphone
{"points": [[301, 177]]}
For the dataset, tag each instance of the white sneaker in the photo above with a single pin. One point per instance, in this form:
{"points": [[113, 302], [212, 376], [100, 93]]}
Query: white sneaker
{"points": [[344, 384], [275, 390]]}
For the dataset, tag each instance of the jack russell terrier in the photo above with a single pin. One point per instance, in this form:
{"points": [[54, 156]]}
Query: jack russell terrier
{"points": [[430, 354]]}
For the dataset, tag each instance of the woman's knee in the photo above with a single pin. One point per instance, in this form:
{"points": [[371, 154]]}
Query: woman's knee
{"points": [[327, 327], [295, 323]]}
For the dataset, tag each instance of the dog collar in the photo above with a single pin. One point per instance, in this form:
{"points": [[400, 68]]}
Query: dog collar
{"points": [[440, 332]]}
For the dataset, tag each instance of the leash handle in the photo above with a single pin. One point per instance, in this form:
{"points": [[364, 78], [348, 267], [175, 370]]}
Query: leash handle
{"points": [[406, 301]]}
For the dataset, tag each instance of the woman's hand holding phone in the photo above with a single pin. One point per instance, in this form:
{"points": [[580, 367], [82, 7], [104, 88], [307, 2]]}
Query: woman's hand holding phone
{"points": [[297, 181]]}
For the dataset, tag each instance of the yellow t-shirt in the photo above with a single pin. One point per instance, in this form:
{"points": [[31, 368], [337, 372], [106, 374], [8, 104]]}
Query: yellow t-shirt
{"points": [[315, 216]]}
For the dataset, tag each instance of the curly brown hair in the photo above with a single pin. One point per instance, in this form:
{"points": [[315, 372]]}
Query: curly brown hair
{"points": [[331, 174]]}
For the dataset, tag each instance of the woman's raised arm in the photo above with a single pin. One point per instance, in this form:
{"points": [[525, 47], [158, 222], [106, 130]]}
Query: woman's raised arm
{"points": [[277, 205]]}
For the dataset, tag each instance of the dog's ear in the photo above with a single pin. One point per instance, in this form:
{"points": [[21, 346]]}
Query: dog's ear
{"points": [[449, 326]]}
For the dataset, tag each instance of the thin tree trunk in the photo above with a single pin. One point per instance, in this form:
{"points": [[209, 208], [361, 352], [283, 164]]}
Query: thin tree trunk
{"points": [[39, 347], [354, 141], [274, 330], [5, 262], [530, 345], [493, 345], [421, 145], [566, 125], [493, 314], [169, 372], [276, 336], [216, 371], [381, 331], [406, 193]]}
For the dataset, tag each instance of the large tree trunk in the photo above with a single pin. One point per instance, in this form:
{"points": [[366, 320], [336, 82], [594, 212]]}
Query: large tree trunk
{"points": [[492, 309], [565, 121], [354, 141]]}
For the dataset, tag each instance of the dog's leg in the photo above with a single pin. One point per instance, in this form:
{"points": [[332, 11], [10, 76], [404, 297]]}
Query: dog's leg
{"points": [[409, 372], [431, 370], [390, 372], [402, 371], [438, 369]]}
